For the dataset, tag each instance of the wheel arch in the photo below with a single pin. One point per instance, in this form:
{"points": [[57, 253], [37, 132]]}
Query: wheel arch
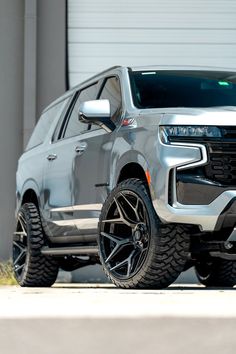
{"points": [[135, 170], [29, 192], [132, 170], [30, 196]]}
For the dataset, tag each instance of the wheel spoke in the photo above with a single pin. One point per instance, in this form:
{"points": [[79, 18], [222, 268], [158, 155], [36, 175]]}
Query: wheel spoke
{"points": [[19, 257], [17, 269], [145, 217], [123, 215], [130, 263], [142, 251], [127, 261], [23, 226], [114, 221], [19, 245], [119, 264], [120, 244], [135, 209], [115, 238], [114, 252], [123, 218], [16, 244], [19, 236]]}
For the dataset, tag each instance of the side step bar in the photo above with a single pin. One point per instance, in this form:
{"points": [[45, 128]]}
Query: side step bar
{"points": [[70, 251], [223, 255]]}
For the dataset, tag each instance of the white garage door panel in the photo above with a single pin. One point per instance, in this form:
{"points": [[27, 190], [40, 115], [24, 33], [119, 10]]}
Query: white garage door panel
{"points": [[78, 36], [98, 62], [152, 20], [160, 6], [103, 33], [146, 50]]}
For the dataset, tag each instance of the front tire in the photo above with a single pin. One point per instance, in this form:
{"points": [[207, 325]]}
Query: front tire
{"points": [[136, 249], [31, 268], [215, 272]]}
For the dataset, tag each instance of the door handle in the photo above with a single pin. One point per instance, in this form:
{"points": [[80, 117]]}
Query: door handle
{"points": [[81, 148], [51, 157]]}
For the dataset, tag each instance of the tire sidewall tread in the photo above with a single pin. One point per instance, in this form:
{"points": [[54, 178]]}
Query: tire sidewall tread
{"points": [[39, 270]]}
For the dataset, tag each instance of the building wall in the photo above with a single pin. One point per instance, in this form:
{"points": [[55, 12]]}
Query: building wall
{"points": [[11, 116], [32, 74], [51, 51], [152, 32]]}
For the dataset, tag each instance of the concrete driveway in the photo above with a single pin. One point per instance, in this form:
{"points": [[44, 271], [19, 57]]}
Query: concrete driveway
{"points": [[102, 319]]}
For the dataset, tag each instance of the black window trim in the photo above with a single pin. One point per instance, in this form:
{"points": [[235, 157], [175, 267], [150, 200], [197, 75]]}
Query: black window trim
{"points": [[59, 126], [67, 117]]}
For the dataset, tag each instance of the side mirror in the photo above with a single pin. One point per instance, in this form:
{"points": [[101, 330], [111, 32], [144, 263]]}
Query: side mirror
{"points": [[97, 112]]}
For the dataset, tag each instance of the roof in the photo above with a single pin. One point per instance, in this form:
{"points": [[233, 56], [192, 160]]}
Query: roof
{"points": [[181, 67]]}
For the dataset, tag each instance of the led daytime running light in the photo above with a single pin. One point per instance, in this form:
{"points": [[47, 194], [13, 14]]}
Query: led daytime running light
{"points": [[191, 131]]}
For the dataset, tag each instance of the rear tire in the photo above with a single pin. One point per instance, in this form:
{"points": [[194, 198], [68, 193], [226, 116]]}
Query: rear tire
{"points": [[136, 249], [216, 272], [31, 268]]}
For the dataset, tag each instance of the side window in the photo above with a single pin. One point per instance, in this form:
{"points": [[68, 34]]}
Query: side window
{"points": [[112, 92], [44, 123], [74, 126]]}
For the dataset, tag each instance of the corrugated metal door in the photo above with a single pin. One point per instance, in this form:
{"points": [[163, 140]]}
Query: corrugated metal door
{"points": [[103, 33]]}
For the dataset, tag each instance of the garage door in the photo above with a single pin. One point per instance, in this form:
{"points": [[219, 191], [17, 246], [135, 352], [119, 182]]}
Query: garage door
{"points": [[103, 33]]}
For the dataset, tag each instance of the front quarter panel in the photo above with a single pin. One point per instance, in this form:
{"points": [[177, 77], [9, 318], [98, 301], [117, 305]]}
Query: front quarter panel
{"points": [[136, 144]]}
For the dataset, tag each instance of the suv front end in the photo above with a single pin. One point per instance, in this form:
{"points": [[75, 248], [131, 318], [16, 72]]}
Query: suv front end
{"points": [[199, 164]]}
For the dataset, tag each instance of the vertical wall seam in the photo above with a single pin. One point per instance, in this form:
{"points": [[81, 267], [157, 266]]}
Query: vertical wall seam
{"points": [[67, 82], [30, 69]]}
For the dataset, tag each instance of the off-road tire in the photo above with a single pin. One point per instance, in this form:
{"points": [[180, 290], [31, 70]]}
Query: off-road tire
{"points": [[168, 245], [216, 272], [36, 269]]}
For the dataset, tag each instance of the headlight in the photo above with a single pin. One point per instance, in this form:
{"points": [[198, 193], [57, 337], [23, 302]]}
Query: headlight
{"points": [[170, 132]]}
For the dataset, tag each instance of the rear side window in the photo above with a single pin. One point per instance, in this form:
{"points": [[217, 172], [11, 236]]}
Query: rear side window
{"points": [[44, 123]]}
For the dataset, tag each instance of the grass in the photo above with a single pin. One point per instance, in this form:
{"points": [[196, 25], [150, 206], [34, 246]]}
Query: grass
{"points": [[7, 274]]}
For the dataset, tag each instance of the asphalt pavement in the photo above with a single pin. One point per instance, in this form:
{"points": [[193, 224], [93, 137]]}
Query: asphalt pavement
{"points": [[98, 318]]}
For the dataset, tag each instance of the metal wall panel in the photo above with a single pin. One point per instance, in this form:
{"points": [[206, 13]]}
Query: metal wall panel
{"points": [[103, 33], [11, 121]]}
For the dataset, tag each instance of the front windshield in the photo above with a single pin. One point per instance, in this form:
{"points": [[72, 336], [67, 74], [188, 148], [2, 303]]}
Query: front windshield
{"points": [[158, 89]]}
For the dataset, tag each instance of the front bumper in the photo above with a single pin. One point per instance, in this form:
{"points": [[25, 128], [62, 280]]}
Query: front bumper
{"points": [[207, 217], [197, 190]]}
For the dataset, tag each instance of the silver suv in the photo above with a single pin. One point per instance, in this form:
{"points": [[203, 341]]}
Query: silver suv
{"points": [[136, 169]]}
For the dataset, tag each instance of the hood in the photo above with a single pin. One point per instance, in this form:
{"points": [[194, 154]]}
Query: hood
{"points": [[221, 115]]}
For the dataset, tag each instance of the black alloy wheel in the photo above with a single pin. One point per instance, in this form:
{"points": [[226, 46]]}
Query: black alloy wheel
{"points": [[31, 268], [136, 250], [20, 246]]}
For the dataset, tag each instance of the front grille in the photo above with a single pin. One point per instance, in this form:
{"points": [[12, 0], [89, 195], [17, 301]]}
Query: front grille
{"points": [[221, 166], [228, 132]]}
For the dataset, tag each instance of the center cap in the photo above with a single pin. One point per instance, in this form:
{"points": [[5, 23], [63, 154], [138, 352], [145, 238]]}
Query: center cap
{"points": [[137, 235], [139, 232]]}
